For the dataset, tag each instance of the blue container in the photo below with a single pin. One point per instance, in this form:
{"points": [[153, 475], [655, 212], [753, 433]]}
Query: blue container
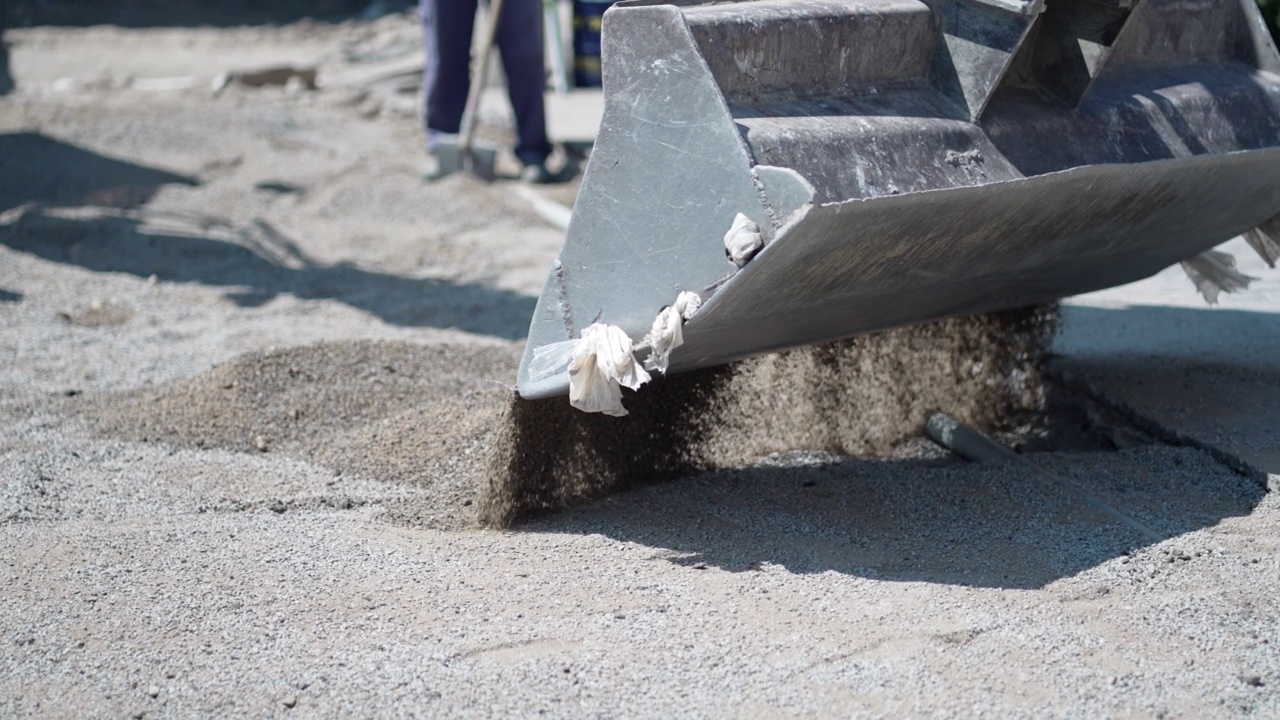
{"points": [[586, 41]]}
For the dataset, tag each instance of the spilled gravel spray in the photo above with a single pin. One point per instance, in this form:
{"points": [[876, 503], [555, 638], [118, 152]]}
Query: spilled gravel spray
{"points": [[440, 420], [855, 397]]}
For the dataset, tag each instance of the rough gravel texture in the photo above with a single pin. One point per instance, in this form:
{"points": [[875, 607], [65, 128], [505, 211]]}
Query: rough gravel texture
{"points": [[252, 371], [421, 416]]}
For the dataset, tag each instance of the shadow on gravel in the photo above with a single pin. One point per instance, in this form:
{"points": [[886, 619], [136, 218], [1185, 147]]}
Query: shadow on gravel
{"points": [[919, 521], [258, 263], [36, 168], [998, 525]]}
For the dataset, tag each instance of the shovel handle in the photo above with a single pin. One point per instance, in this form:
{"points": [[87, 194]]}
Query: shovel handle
{"points": [[482, 76]]}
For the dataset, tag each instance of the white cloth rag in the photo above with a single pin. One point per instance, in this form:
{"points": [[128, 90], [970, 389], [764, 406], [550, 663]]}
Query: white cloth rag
{"points": [[1214, 272], [603, 362], [743, 240], [1265, 239], [551, 359], [667, 332]]}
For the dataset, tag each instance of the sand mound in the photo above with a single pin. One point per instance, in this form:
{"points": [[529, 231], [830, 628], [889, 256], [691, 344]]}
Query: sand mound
{"points": [[444, 419], [857, 397], [394, 412]]}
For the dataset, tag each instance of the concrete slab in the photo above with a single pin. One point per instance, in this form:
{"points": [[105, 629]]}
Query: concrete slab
{"points": [[572, 117], [1211, 373]]}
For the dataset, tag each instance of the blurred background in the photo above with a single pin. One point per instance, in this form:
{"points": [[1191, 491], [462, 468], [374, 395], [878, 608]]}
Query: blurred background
{"points": [[1271, 11], [135, 13]]}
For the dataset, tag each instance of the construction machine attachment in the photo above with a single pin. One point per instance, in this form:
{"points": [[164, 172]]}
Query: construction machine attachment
{"points": [[799, 171]]}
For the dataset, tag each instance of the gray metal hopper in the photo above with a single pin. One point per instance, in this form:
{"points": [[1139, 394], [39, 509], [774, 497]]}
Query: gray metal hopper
{"points": [[905, 160]]}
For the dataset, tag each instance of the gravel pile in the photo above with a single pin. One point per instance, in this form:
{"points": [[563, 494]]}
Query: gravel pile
{"points": [[860, 397]]}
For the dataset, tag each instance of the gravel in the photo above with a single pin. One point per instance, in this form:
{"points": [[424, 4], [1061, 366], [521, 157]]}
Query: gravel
{"points": [[156, 561]]}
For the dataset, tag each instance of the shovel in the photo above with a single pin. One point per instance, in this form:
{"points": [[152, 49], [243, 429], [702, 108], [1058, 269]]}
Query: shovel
{"points": [[460, 153]]}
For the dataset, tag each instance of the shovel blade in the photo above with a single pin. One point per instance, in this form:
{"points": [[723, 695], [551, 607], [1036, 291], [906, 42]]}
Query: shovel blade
{"points": [[479, 160]]}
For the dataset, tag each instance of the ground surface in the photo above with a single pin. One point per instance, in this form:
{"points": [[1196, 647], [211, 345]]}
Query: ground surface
{"points": [[250, 364]]}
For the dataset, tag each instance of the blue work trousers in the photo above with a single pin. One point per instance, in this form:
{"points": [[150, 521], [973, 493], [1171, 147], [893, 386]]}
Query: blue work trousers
{"points": [[447, 28]]}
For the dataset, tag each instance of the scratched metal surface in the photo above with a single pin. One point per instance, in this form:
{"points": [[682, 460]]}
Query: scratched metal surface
{"points": [[860, 266], [906, 160]]}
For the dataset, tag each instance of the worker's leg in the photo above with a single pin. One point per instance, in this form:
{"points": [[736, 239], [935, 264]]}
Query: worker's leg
{"points": [[520, 42], [446, 37]]}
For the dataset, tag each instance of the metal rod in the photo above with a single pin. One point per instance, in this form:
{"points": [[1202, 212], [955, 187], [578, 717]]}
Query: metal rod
{"points": [[472, 109], [971, 444]]}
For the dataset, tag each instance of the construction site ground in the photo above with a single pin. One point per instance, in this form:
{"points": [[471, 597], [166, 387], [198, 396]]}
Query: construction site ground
{"points": [[249, 363]]}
